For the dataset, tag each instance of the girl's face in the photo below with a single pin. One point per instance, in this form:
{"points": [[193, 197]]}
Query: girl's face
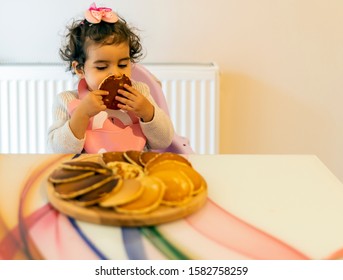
{"points": [[104, 60]]}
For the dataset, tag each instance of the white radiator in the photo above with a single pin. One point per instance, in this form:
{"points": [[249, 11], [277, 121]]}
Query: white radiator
{"points": [[27, 93]]}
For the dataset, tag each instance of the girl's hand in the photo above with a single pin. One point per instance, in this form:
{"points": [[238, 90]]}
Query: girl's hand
{"points": [[135, 102], [92, 103], [89, 106]]}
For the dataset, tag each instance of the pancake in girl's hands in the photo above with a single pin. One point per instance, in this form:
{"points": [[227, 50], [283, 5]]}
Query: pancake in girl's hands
{"points": [[112, 84]]}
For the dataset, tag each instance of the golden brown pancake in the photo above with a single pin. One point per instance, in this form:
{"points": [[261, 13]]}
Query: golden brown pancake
{"points": [[113, 156], [133, 157], [145, 157]]}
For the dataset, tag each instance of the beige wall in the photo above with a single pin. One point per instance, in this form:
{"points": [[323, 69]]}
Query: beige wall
{"points": [[281, 70], [281, 64]]}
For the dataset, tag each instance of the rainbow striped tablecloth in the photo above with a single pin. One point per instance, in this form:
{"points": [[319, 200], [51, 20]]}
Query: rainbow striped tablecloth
{"points": [[259, 207]]}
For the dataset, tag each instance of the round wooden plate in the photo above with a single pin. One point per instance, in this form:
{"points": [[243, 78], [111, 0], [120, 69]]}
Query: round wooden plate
{"points": [[104, 216]]}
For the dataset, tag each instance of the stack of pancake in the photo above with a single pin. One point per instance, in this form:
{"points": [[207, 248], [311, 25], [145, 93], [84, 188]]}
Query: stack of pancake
{"points": [[131, 182]]}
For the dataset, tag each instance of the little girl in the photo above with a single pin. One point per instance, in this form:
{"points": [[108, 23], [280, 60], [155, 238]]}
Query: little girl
{"points": [[101, 45]]}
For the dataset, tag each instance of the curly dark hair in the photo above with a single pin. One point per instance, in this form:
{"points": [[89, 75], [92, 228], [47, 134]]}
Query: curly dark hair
{"points": [[75, 48]]}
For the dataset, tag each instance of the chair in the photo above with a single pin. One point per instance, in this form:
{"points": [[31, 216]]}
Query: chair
{"points": [[179, 144]]}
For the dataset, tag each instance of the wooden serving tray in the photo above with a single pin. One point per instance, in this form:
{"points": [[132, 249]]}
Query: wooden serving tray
{"points": [[104, 216]]}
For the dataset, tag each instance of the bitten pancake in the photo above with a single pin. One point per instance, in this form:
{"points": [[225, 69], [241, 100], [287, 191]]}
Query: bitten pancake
{"points": [[112, 84]]}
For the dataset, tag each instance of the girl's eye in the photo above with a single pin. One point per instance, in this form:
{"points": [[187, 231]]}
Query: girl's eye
{"points": [[101, 67], [122, 65]]}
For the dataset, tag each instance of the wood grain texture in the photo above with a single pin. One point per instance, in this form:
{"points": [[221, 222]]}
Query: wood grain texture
{"points": [[104, 216]]}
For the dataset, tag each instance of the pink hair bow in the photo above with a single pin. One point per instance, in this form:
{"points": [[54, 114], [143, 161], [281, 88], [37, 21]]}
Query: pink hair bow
{"points": [[95, 15]]}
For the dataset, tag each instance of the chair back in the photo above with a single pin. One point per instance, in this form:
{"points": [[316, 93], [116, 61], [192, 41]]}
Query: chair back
{"points": [[179, 144]]}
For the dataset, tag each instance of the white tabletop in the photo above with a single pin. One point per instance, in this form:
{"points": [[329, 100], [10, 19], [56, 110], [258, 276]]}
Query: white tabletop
{"points": [[293, 197]]}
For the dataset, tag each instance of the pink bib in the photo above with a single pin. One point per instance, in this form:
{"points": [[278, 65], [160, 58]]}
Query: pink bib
{"points": [[110, 130]]}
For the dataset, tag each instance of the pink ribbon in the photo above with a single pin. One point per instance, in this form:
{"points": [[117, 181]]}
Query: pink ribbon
{"points": [[96, 15]]}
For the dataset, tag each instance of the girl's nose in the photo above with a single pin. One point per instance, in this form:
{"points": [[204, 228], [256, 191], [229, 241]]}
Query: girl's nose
{"points": [[116, 72]]}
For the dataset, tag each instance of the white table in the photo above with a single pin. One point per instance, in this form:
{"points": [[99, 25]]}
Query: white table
{"points": [[260, 207]]}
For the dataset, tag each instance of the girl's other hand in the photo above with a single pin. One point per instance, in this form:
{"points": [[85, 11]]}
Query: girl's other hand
{"points": [[135, 102], [89, 106]]}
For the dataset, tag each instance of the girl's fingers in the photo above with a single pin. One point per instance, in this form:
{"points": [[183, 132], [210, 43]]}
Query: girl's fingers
{"points": [[128, 90], [124, 100], [124, 107], [99, 92], [124, 93]]}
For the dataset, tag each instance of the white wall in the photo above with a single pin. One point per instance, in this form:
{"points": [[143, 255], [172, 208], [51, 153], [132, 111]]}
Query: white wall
{"points": [[281, 61]]}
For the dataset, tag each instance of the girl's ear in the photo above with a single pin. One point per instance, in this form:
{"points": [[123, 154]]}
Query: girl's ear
{"points": [[79, 72]]}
